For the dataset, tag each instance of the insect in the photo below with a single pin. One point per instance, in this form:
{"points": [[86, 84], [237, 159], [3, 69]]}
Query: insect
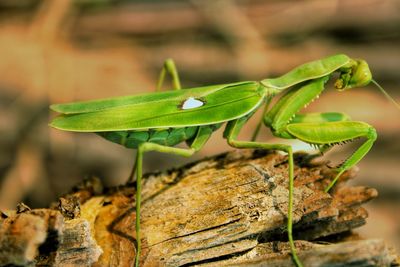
{"points": [[159, 121]]}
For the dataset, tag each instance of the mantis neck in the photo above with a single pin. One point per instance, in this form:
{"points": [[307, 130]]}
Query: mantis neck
{"points": [[269, 92]]}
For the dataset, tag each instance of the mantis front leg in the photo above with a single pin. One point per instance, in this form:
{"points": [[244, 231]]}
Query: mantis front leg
{"points": [[330, 133], [321, 129], [326, 130], [231, 133]]}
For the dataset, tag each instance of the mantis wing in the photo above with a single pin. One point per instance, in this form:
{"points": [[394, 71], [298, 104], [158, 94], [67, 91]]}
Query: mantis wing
{"points": [[107, 103], [212, 104]]}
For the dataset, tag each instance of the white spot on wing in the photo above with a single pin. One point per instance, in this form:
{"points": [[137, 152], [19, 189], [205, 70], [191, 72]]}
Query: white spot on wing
{"points": [[191, 102]]}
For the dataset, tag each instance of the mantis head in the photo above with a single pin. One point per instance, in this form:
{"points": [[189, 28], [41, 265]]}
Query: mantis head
{"points": [[355, 75]]}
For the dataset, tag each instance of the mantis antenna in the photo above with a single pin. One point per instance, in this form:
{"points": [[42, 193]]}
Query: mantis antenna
{"points": [[386, 94]]}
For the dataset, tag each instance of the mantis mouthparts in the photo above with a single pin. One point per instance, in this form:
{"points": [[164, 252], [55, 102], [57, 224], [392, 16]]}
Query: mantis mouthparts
{"points": [[386, 94]]}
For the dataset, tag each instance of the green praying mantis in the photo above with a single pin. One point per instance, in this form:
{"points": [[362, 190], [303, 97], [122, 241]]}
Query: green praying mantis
{"points": [[159, 121]]}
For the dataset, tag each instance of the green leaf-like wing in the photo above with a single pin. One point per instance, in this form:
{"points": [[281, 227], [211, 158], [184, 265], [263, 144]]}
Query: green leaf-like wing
{"points": [[107, 103], [161, 110]]}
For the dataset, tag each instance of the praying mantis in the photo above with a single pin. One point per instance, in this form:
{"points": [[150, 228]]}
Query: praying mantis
{"points": [[158, 121]]}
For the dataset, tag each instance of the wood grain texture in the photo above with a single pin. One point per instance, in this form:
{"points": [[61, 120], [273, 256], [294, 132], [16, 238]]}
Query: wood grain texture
{"points": [[228, 210]]}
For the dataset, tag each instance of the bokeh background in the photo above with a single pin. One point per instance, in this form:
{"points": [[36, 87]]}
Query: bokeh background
{"points": [[69, 50]]}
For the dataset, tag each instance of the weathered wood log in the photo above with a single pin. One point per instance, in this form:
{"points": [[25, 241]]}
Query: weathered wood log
{"points": [[227, 210]]}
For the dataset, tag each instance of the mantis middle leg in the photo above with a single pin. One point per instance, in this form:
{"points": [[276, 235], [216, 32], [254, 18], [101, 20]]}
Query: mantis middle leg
{"points": [[231, 133], [196, 144]]}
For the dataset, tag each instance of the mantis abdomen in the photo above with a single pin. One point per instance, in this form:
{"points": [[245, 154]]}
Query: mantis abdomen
{"points": [[165, 137]]}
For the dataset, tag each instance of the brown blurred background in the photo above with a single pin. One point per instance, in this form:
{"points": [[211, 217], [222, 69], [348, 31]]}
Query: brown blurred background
{"points": [[69, 50]]}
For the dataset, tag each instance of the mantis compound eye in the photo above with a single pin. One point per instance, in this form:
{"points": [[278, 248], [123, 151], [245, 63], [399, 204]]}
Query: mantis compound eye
{"points": [[357, 75], [361, 75]]}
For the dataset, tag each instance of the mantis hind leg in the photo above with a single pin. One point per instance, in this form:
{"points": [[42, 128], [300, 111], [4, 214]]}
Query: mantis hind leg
{"points": [[196, 144], [231, 133], [145, 147], [170, 68], [331, 133]]}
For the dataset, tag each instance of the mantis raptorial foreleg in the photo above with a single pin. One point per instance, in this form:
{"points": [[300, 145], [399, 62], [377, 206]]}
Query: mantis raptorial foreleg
{"points": [[319, 118], [196, 144], [323, 130], [290, 104], [170, 68], [330, 133], [231, 133]]}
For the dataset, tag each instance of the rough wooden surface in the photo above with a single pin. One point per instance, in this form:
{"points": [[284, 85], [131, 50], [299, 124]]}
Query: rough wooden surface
{"points": [[229, 210], [44, 237]]}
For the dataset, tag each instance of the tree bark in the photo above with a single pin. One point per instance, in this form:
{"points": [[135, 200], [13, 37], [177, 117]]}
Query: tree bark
{"points": [[228, 210]]}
